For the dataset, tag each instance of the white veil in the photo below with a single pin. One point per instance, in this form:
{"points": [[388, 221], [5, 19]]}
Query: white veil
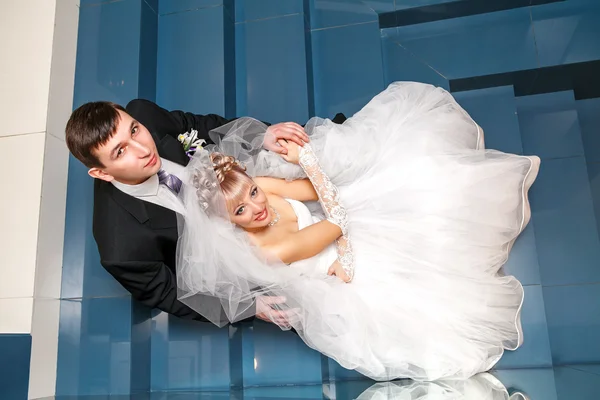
{"points": [[220, 273], [244, 139]]}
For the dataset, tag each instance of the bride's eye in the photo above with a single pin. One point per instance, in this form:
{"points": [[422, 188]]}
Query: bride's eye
{"points": [[239, 211], [254, 192]]}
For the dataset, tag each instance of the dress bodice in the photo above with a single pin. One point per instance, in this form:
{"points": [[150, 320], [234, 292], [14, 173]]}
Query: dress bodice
{"points": [[322, 261]]}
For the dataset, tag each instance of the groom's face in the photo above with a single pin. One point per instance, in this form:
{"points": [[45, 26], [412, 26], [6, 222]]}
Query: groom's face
{"points": [[129, 156]]}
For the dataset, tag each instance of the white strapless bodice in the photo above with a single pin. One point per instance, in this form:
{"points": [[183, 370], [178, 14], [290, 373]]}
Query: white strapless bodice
{"points": [[320, 263]]}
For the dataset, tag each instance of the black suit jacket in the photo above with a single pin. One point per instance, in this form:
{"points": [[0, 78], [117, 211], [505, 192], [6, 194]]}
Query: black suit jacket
{"points": [[137, 239]]}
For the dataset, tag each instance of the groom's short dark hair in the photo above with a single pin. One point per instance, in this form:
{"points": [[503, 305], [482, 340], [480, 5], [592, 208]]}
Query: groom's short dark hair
{"points": [[90, 126]]}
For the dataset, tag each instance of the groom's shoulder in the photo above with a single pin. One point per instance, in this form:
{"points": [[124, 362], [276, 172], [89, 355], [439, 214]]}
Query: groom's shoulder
{"points": [[156, 119], [141, 108], [140, 104]]}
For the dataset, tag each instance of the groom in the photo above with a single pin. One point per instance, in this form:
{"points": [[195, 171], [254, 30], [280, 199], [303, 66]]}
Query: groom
{"points": [[136, 159]]}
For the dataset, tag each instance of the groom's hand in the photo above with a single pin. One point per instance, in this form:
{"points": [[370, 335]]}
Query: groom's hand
{"points": [[266, 309], [289, 131]]}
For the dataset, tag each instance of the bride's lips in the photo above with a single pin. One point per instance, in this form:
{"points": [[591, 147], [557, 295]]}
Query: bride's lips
{"points": [[263, 215], [152, 161]]}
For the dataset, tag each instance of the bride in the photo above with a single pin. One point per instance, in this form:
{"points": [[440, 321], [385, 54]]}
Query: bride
{"points": [[396, 270]]}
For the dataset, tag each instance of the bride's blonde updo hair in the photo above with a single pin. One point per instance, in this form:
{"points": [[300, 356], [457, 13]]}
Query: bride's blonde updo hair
{"points": [[231, 176], [224, 164]]}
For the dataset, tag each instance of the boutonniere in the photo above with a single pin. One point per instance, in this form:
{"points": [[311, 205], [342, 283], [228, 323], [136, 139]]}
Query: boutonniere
{"points": [[190, 142]]}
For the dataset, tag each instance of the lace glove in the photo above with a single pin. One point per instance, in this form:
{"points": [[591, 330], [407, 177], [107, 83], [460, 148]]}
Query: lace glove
{"points": [[329, 198]]}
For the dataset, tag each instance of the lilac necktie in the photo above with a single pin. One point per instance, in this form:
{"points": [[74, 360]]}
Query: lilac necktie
{"points": [[170, 181]]}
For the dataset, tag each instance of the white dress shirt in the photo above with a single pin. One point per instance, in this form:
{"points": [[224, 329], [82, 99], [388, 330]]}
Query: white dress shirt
{"points": [[152, 191]]}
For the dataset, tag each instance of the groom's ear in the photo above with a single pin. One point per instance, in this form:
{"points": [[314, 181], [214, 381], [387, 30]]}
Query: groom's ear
{"points": [[99, 174]]}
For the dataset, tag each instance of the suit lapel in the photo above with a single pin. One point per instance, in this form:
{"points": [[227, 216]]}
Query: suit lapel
{"points": [[160, 217], [157, 217], [134, 206]]}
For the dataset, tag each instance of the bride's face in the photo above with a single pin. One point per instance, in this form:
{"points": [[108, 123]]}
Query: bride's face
{"points": [[250, 210]]}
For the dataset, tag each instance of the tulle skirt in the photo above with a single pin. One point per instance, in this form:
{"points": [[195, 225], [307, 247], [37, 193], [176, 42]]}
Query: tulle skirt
{"points": [[433, 216]]}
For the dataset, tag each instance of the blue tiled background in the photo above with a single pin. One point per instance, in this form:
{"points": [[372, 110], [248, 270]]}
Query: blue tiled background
{"points": [[289, 60], [14, 366]]}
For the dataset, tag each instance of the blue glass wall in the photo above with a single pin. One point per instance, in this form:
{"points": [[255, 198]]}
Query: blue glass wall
{"points": [[518, 67]]}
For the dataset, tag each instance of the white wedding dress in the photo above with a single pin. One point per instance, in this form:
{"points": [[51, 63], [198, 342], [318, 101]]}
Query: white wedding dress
{"points": [[432, 217]]}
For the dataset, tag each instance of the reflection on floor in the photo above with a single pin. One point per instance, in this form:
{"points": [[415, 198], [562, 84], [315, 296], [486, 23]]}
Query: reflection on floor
{"points": [[575, 382]]}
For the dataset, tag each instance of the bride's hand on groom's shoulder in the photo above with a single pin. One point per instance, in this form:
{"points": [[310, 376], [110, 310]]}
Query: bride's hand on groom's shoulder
{"points": [[289, 131]]}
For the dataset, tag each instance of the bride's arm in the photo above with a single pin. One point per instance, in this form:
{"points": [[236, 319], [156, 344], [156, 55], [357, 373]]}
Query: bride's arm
{"points": [[300, 189], [305, 243], [329, 198]]}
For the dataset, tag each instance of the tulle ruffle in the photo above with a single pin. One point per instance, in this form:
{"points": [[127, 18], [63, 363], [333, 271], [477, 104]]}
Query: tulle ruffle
{"points": [[432, 216]]}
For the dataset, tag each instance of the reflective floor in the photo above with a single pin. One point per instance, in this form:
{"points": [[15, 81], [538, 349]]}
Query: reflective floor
{"points": [[574, 382], [526, 70]]}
